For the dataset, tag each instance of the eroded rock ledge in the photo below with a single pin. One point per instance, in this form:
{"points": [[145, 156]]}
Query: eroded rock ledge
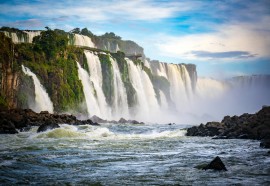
{"points": [[14, 120]]}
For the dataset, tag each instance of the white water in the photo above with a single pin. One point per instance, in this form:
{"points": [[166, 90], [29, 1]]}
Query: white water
{"points": [[42, 100], [120, 104], [96, 79], [89, 94], [104, 133], [81, 40]]}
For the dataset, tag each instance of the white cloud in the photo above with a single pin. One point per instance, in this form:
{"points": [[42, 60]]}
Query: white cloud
{"points": [[148, 10], [227, 39]]}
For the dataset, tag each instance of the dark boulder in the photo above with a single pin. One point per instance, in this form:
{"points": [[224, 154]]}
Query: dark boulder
{"points": [[122, 120], [134, 122], [265, 143], [48, 125], [216, 164], [97, 119], [7, 127]]}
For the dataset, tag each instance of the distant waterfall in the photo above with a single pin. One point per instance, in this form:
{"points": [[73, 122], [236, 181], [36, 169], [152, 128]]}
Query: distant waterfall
{"points": [[96, 79], [145, 94], [81, 40], [31, 35], [42, 100], [210, 88], [89, 94], [25, 37]]}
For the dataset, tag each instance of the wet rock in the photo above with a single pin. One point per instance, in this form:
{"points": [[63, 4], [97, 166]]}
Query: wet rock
{"points": [[216, 164], [47, 126], [134, 122]]}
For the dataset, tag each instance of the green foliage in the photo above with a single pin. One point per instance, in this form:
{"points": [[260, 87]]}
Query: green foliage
{"points": [[51, 43], [75, 31], [110, 35], [87, 32], [107, 76], [3, 102]]}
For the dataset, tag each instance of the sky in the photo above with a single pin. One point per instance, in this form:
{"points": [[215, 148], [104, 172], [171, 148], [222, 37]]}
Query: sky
{"points": [[223, 38]]}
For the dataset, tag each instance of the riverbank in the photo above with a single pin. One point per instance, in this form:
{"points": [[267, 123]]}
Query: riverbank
{"points": [[247, 126]]}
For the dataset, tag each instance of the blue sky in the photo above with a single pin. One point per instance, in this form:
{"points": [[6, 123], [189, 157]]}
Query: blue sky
{"points": [[222, 37]]}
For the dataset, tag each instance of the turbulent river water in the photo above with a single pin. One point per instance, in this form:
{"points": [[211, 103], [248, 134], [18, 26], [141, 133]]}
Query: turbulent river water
{"points": [[127, 155]]}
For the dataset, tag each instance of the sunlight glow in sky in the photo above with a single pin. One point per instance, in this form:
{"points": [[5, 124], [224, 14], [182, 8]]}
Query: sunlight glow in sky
{"points": [[223, 38]]}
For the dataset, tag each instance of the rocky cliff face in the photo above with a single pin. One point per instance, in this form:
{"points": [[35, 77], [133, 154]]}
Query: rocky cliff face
{"points": [[9, 77]]}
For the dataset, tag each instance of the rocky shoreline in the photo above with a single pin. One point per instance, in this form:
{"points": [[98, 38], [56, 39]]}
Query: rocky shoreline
{"points": [[247, 126], [14, 120]]}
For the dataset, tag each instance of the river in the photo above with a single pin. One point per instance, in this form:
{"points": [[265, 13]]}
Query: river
{"points": [[114, 154]]}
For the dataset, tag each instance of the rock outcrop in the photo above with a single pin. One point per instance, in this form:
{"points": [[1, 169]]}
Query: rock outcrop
{"points": [[216, 164], [247, 126]]}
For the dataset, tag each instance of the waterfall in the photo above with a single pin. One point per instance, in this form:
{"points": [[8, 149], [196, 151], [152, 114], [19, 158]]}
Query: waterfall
{"points": [[177, 88], [163, 101], [89, 93], [13, 37], [147, 64], [186, 80], [96, 79], [120, 104], [42, 100], [81, 40], [145, 94]]}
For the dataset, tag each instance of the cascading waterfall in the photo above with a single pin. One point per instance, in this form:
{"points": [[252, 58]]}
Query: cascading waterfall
{"points": [[145, 94], [42, 100], [120, 104], [177, 88], [162, 70], [96, 78], [163, 101], [91, 102], [186, 80]]}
